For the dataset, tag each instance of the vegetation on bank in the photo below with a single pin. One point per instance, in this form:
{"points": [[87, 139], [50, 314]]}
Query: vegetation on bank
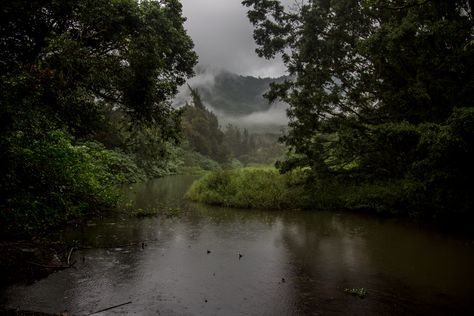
{"points": [[84, 92], [84, 104], [381, 100], [381, 111], [57, 180], [252, 187], [267, 188]]}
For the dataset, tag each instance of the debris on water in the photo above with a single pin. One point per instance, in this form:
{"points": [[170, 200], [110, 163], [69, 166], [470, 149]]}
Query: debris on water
{"points": [[360, 292], [283, 280], [208, 251], [240, 255], [205, 300]]}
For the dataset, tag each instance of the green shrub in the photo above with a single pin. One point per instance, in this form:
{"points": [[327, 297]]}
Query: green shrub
{"points": [[51, 180], [250, 188], [265, 187]]}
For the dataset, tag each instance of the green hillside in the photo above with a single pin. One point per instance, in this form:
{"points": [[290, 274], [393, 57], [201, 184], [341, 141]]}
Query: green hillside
{"points": [[238, 95]]}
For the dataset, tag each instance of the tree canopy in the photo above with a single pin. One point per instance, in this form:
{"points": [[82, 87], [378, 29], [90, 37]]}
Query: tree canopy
{"points": [[376, 88], [71, 58]]}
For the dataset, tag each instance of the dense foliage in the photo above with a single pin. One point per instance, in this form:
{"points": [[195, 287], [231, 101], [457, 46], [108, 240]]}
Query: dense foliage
{"points": [[380, 94], [76, 76]]}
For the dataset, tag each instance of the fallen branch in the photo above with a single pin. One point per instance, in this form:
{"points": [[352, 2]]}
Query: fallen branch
{"points": [[117, 246], [109, 308], [69, 255]]}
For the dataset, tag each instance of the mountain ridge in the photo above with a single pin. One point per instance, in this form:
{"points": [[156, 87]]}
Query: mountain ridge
{"points": [[229, 93]]}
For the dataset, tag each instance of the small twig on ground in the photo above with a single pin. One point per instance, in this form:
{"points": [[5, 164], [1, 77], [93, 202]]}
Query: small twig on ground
{"points": [[109, 308], [117, 246]]}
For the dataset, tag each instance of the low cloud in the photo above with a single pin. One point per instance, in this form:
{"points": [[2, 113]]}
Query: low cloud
{"points": [[204, 79], [272, 120]]}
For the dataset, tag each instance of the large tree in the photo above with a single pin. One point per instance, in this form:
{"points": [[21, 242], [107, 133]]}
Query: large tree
{"points": [[70, 72], [374, 84], [70, 59]]}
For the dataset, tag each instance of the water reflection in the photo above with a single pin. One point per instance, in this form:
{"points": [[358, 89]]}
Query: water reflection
{"points": [[292, 263]]}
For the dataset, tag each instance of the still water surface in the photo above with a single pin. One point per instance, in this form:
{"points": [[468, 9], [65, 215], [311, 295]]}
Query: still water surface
{"points": [[292, 263]]}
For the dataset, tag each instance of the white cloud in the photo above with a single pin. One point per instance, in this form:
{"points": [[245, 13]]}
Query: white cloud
{"points": [[223, 39]]}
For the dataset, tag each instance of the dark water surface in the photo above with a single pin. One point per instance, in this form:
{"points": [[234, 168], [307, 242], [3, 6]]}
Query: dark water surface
{"points": [[293, 263]]}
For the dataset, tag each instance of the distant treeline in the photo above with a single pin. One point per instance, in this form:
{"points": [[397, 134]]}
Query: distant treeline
{"points": [[204, 135]]}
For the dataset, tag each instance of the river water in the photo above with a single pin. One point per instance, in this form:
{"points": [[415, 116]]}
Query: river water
{"points": [[186, 262]]}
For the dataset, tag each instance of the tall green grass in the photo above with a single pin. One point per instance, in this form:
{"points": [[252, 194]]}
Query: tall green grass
{"points": [[262, 187], [266, 188]]}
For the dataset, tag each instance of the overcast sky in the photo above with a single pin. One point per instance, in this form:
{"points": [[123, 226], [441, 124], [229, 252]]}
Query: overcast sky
{"points": [[222, 37]]}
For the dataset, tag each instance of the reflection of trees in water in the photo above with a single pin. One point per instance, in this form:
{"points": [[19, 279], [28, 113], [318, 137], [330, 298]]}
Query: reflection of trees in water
{"points": [[325, 258], [217, 214], [119, 262], [226, 222], [110, 232], [162, 192], [331, 252], [323, 252]]}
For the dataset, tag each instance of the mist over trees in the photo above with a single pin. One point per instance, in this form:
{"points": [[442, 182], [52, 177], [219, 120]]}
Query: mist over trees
{"points": [[236, 99], [203, 134], [237, 95]]}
